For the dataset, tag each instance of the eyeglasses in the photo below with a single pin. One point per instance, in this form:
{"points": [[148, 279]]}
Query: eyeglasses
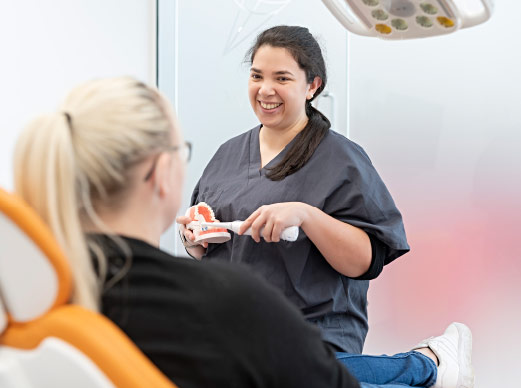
{"points": [[185, 151]]}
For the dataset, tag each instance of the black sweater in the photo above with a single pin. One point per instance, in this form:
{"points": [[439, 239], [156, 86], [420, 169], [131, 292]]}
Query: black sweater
{"points": [[215, 325]]}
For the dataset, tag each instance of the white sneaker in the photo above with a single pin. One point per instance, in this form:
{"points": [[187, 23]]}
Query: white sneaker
{"points": [[454, 350]]}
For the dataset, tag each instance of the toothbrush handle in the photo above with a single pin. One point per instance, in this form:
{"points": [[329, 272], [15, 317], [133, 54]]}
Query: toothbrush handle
{"points": [[288, 234]]}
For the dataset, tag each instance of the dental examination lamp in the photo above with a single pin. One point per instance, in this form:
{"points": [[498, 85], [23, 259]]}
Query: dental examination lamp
{"points": [[409, 19]]}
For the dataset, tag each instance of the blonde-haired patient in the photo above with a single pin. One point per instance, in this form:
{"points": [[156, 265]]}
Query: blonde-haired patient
{"points": [[93, 168], [105, 171]]}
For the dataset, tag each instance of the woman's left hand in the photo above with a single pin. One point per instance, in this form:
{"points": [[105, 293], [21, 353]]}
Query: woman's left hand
{"points": [[273, 219]]}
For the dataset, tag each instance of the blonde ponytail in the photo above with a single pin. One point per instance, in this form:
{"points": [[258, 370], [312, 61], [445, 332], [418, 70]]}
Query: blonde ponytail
{"points": [[45, 177], [68, 162]]}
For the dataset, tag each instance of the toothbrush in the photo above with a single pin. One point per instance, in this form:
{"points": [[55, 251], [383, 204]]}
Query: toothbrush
{"points": [[288, 234]]}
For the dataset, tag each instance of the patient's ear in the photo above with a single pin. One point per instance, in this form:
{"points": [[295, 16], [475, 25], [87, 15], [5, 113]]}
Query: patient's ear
{"points": [[163, 175]]}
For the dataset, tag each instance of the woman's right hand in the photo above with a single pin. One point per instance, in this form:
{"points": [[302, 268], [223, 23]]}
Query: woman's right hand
{"points": [[198, 249]]}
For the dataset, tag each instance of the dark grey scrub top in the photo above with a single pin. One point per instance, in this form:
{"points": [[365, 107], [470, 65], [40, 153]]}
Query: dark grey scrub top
{"points": [[340, 180]]}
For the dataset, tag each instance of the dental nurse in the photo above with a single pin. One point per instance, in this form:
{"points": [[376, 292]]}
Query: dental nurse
{"points": [[292, 169]]}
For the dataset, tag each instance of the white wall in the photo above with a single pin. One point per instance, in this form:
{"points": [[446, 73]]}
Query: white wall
{"points": [[47, 47]]}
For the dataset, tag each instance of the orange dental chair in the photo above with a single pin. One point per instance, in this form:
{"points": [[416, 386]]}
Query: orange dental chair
{"points": [[44, 340]]}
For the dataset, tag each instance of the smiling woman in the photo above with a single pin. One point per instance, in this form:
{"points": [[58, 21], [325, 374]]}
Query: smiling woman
{"points": [[287, 73], [278, 91], [293, 170]]}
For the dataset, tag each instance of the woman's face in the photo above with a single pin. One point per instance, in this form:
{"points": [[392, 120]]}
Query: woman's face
{"points": [[278, 89]]}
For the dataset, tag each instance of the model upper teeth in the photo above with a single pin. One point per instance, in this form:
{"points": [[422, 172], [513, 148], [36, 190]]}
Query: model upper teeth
{"points": [[270, 106]]}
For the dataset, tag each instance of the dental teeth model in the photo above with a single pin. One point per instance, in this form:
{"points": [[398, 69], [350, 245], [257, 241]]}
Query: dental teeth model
{"points": [[205, 227], [200, 213]]}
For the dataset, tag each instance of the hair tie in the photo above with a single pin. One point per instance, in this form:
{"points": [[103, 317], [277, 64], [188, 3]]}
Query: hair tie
{"points": [[69, 119]]}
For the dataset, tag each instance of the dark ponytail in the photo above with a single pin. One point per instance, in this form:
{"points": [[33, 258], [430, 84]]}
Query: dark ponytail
{"points": [[306, 52]]}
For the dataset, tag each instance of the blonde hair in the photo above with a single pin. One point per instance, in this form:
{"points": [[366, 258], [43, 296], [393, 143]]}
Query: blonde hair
{"points": [[80, 156]]}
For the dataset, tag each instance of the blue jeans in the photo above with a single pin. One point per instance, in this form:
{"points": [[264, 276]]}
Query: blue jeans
{"points": [[411, 369]]}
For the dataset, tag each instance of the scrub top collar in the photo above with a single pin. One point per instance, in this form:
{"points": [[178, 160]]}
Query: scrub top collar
{"points": [[255, 169]]}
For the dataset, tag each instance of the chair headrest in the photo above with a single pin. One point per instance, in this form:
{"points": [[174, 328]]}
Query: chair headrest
{"points": [[34, 273]]}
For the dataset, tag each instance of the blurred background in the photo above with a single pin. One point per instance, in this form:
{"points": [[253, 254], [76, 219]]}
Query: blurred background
{"points": [[439, 117]]}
